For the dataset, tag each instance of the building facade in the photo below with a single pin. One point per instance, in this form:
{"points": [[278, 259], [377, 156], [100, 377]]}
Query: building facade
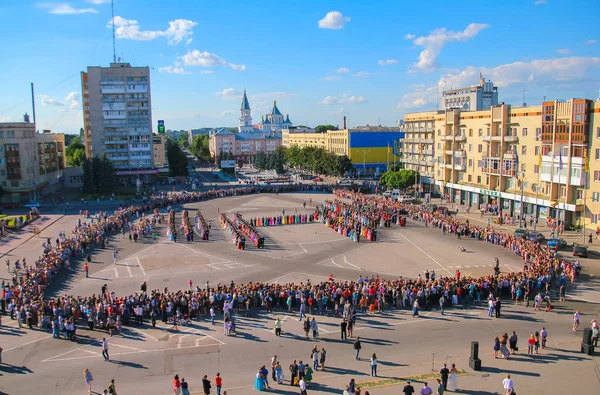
{"points": [[31, 164], [507, 156], [117, 116], [474, 98]]}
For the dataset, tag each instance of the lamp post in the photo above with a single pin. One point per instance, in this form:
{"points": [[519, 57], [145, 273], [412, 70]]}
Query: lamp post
{"points": [[365, 152], [207, 286]]}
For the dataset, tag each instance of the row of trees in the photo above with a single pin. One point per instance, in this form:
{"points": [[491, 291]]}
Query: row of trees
{"points": [[98, 175], [315, 160], [200, 148], [75, 151], [178, 161]]}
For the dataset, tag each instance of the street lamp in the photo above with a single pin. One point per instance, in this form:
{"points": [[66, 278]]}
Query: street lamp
{"points": [[207, 285], [364, 152]]}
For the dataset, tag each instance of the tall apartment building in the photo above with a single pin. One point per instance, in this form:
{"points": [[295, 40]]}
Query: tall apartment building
{"points": [[490, 156], [117, 116], [31, 164], [418, 146], [474, 98]]}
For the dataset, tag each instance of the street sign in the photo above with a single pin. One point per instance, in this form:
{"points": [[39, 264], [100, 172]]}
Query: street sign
{"points": [[161, 126], [228, 164]]}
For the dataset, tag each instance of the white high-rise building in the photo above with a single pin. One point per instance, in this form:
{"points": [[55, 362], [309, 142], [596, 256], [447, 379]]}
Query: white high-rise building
{"points": [[117, 116], [474, 98]]}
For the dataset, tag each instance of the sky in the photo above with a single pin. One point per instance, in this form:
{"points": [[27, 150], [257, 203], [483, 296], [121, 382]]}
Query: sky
{"points": [[370, 61]]}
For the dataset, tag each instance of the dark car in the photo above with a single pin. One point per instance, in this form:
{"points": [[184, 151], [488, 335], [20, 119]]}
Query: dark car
{"points": [[536, 236], [520, 232], [580, 251]]}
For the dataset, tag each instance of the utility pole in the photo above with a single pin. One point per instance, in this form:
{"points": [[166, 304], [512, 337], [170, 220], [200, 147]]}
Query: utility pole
{"points": [[365, 152]]}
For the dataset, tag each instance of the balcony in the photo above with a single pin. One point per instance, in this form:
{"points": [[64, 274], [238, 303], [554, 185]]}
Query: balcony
{"points": [[510, 155], [511, 139], [115, 150], [111, 89], [460, 137], [427, 141], [460, 153], [449, 152], [460, 167], [444, 137]]}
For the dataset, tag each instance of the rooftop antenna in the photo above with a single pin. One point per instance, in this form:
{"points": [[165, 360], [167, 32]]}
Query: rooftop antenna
{"points": [[112, 8], [524, 103], [33, 103]]}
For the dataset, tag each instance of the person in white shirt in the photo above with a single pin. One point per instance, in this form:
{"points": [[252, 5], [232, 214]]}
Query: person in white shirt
{"points": [[508, 385], [575, 321], [302, 386], [105, 349]]}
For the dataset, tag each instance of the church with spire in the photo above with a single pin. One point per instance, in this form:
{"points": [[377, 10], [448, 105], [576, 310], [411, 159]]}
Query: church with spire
{"points": [[272, 122]]}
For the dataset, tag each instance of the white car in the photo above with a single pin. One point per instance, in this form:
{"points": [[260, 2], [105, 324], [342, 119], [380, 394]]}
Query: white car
{"points": [[33, 204]]}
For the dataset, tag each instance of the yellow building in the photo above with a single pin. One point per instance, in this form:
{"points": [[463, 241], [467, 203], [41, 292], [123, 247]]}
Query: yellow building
{"points": [[496, 156]]}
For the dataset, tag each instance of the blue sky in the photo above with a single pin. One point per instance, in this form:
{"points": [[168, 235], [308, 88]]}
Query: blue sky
{"points": [[321, 60]]}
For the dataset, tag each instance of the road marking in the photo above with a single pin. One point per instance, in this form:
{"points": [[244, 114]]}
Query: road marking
{"points": [[423, 251], [343, 253], [468, 267], [141, 267], [28, 343], [201, 253], [475, 265], [180, 340], [129, 270], [457, 267], [351, 264], [213, 266], [116, 273], [332, 261]]}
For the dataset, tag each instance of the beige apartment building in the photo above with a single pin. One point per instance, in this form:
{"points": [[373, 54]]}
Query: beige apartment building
{"points": [[505, 156], [31, 163]]}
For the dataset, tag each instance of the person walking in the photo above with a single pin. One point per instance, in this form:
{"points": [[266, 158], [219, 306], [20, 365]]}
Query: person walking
{"points": [[314, 327], [293, 372], [442, 303], [279, 377], [105, 349], [302, 385], [575, 321], [357, 347], [315, 357], [509, 386], [530, 344], [444, 373], [184, 387], [323, 357], [219, 382], [176, 385], [497, 307], [206, 385], [273, 365], [453, 379], [88, 378], [278, 327], [512, 342], [440, 388], [496, 347], [408, 389], [374, 365], [544, 334], [111, 387]]}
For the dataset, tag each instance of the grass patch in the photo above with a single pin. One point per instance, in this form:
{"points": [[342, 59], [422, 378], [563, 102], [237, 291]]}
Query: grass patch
{"points": [[419, 378]]}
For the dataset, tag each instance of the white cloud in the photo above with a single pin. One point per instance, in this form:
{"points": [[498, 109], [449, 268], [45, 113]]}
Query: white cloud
{"points": [[189, 41], [434, 42], [65, 9], [207, 59], [339, 111], [98, 2], [173, 70], [343, 70], [344, 99], [328, 100], [539, 2], [73, 99], [229, 94], [539, 72], [361, 74], [229, 112], [206, 72], [563, 51], [592, 42], [5, 118], [331, 78], [409, 36], [48, 101], [352, 99], [388, 61], [177, 31], [333, 20]]}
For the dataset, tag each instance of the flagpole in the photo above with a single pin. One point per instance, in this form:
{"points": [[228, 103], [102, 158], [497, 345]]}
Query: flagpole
{"points": [[388, 158]]}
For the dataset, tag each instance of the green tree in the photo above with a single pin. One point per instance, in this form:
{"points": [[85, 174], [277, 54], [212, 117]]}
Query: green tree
{"points": [[292, 156], [260, 161], [324, 128], [75, 152], [342, 165], [401, 179], [98, 175], [177, 159], [199, 147]]}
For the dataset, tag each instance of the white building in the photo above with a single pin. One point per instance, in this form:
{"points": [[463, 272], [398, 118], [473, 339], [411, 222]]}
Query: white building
{"points": [[272, 122], [117, 115], [474, 98]]}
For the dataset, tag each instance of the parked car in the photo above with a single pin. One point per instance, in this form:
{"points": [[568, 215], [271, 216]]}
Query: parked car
{"points": [[317, 179], [520, 232], [536, 236], [580, 251], [557, 244], [33, 204]]}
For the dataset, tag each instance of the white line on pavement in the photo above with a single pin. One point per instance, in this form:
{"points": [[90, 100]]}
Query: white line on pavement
{"points": [[213, 266], [116, 273], [129, 270], [423, 251], [141, 267], [332, 261], [351, 264], [28, 343]]}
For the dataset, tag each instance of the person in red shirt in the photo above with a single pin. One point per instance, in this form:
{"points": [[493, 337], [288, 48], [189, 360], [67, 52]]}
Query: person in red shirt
{"points": [[176, 385], [218, 383]]}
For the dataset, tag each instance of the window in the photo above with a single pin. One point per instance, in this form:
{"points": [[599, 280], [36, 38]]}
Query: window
{"points": [[596, 197], [536, 169], [480, 132], [594, 218], [598, 132], [563, 191], [480, 148], [579, 194], [439, 132], [524, 132], [14, 184], [597, 154], [470, 147], [524, 150], [479, 177], [536, 149], [469, 178]]}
